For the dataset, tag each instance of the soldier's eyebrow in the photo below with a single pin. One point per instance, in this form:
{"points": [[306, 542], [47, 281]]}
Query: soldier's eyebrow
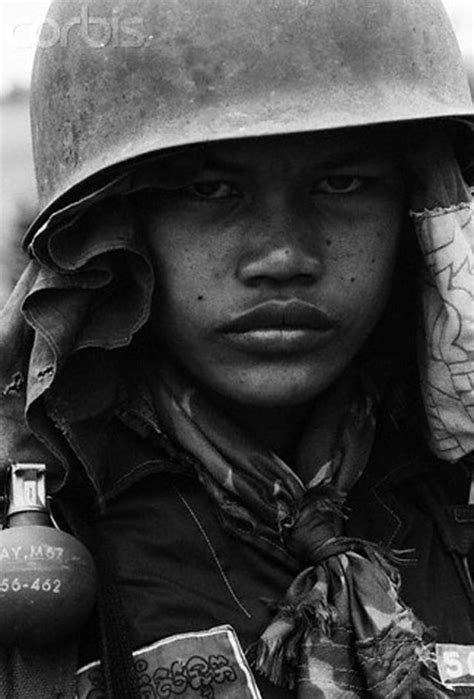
{"points": [[220, 165], [364, 156], [233, 167]]}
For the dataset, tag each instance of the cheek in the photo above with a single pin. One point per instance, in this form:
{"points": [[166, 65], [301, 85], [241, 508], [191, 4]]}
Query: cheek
{"points": [[363, 261], [361, 265], [189, 270], [182, 290]]}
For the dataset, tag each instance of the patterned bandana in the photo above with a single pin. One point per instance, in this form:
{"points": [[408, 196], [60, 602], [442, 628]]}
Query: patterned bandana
{"points": [[442, 212], [341, 629]]}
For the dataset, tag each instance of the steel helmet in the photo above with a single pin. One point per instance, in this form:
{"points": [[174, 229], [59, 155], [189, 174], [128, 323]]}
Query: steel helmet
{"points": [[116, 81]]}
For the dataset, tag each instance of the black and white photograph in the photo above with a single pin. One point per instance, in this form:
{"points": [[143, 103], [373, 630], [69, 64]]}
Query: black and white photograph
{"points": [[236, 349]]}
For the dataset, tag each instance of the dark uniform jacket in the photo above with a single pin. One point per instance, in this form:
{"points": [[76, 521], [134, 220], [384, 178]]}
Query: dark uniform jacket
{"points": [[181, 574]]}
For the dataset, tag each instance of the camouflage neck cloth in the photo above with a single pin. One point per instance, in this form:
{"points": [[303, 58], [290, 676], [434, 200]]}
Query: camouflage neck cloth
{"points": [[341, 629]]}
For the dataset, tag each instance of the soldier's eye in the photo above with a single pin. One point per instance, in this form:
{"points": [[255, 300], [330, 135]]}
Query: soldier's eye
{"points": [[212, 189], [339, 184]]}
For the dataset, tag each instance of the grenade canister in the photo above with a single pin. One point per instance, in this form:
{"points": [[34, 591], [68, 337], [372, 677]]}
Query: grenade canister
{"points": [[47, 577]]}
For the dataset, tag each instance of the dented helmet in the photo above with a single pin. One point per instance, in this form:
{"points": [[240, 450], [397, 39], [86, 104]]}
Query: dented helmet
{"points": [[115, 82]]}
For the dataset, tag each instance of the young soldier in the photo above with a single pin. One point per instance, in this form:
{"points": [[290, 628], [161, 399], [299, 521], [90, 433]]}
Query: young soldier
{"points": [[248, 208]]}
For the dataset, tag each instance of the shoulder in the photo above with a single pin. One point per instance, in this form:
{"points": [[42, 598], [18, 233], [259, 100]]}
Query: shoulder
{"points": [[410, 501]]}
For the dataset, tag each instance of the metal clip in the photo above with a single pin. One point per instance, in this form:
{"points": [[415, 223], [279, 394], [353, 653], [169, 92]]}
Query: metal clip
{"points": [[27, 489]]}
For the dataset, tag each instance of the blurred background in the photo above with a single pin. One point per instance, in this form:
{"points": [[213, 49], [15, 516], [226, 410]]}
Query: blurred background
{"points": [[19, 24]]}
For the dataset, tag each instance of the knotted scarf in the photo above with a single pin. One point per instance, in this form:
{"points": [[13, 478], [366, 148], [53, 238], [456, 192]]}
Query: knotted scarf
{"points": [[341, 629]]}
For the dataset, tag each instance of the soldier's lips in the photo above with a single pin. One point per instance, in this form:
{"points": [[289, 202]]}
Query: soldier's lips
{"points": [[279, 328]]}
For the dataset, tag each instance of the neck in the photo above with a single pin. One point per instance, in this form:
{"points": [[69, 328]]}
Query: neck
{"points": [[281, 429], [277, 429]]}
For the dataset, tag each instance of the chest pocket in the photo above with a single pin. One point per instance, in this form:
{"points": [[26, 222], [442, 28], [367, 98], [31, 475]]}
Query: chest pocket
{"points": [[208, 664]]}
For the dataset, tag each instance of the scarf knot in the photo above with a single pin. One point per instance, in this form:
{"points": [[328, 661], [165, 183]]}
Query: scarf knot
{"points": [[312, 534]]}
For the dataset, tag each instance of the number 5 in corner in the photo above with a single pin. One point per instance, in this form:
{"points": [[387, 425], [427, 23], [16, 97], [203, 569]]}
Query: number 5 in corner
{"points": [[455, 664]]}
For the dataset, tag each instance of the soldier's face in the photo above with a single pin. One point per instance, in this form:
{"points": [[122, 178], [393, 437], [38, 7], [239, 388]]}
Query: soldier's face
{"points": [[275, 264]]}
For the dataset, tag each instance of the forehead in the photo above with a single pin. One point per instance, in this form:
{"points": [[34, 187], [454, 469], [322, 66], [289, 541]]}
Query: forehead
{"points": [[323, 148]]}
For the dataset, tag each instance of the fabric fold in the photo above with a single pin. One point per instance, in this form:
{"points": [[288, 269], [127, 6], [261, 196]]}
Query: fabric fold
{"points": [[442, 213]]}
